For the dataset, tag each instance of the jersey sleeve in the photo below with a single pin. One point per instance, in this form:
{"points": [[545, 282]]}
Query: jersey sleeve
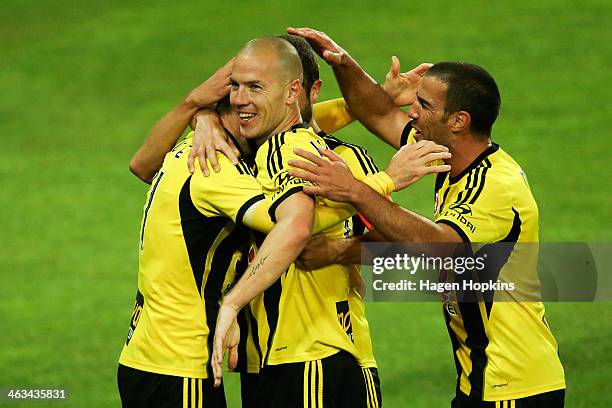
{"points": [[332, 115], [481, 214], [230, 192]]}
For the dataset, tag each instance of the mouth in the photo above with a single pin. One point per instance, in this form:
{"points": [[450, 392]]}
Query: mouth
{"points": [[246, 117], [417, 134]]}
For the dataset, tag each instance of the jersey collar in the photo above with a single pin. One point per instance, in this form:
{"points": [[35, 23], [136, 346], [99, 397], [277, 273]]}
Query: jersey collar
{"points": [[490, 150]]}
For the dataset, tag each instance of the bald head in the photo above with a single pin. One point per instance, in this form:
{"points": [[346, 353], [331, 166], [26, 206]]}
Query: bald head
{"points": [[278, 54]]}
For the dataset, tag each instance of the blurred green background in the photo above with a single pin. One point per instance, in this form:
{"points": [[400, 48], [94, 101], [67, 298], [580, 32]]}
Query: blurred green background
{"points": [[83, 82]]}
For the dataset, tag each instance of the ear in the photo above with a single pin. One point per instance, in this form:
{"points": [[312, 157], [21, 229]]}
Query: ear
{"points": [[295, 89], [314, 91], [459, 121]]}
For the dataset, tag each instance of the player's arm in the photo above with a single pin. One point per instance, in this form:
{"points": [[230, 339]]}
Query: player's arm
{"points": [[166, 132], [369, 103], [280, 248], [333, 180]]}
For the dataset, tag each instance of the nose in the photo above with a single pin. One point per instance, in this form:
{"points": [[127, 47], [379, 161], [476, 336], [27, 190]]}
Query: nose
{"points": [[413, 111], [238, 96]]}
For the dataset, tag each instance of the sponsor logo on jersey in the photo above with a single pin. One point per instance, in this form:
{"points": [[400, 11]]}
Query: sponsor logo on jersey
{"points": [[344, 317]]}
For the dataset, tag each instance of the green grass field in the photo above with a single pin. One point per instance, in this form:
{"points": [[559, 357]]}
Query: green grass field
{"points": [[83, 83]]}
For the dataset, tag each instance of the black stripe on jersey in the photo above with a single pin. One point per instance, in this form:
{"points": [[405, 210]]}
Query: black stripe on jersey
{"points": [[269, 157], [484, 155], [286, 195], [313, 144], [440, 178], [280, 141], [199, 233], [255, 333], [271, 301], [242, 318], [405, 134], [477, 341], [239, 167], [213, 287], [454, 343], [470, 183], [485, 168], [365, 161], [497, 256], [146, 211], [243, 209], [243, 168], [443, 200]]}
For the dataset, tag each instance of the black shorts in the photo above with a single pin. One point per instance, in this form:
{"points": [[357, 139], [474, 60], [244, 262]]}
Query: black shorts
{"points": [[249, 386], [334, 382], [141, 389], [553, 399], [373, 387]]}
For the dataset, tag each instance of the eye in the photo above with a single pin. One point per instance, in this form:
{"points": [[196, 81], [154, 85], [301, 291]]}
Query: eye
{"points": [[234, 85], [255, 87]]}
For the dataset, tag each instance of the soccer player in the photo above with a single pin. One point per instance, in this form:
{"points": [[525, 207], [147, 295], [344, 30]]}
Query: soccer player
{"points": [[505, 352], [334, 114], [305, 350]]}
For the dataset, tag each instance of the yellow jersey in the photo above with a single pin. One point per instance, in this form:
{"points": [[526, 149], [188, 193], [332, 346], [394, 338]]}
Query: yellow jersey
{"points": [[191, 245], [503, 347]]}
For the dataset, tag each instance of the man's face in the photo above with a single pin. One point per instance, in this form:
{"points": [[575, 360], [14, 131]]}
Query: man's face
{"points": [[427, 112], [258, 95]]}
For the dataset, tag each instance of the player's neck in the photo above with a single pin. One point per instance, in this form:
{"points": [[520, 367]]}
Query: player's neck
{"points": [[291, 119], [465, 152]]}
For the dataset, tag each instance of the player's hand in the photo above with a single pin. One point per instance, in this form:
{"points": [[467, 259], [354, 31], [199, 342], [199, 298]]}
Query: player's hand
{"points": [[210, 136], [331, 178], [214, 89], [402, 86], [321, 44], [319, 252], [413, 161], [227, 337]]}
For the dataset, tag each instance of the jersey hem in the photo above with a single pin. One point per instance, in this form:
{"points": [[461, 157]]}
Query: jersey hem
{"points": [[301, 358], [530, 392], [151, 368]]}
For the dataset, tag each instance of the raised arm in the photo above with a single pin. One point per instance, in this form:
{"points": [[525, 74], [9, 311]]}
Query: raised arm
{"points": [[166, 132], [368, 102]]}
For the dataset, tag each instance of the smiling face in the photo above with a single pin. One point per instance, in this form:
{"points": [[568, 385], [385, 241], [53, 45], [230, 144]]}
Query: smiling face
{"points": [[427, 113], [264, 89]]}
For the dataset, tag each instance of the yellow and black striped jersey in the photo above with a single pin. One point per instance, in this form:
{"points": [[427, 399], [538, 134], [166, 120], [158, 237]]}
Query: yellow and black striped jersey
{"points": [[354, 319], [191, 245], [503, 349], [297, 317]]}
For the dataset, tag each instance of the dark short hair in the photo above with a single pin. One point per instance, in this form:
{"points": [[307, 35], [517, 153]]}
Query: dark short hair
{"points": [[308, 58], [472, 89]]}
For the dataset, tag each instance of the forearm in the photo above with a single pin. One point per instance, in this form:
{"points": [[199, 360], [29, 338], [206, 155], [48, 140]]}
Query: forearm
{"points": [[164, 135], [368, 102], [279, 250], [394, 223]]}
